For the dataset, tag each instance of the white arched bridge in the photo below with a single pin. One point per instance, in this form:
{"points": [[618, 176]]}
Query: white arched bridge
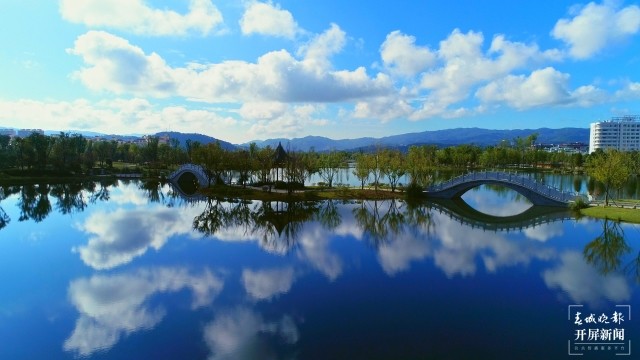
{"points": [[537, 192], [195, 170]]}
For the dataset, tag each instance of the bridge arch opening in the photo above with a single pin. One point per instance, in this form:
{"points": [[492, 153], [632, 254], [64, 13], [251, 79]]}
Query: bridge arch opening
{"points": [[496, 200], [188, 183]]}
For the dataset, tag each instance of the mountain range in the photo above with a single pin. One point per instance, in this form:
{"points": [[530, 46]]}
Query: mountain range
{"points": [[449, 137], [441, 138]]}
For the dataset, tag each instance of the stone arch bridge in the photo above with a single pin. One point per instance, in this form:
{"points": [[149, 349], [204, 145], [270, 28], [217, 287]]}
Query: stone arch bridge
{"points": [[537, 192], [196, 170]]}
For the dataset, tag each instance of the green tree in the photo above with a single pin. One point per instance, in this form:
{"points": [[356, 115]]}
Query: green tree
{"points": [[420, 160], [611, 168], [363, 168], [329, 165], [6, 158], [42, 148], [241, 163], [392, 165], [150, 150], [213, 159]]}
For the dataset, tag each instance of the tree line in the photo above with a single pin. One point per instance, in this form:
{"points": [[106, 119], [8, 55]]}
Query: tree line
{"points": [[73, 153]]}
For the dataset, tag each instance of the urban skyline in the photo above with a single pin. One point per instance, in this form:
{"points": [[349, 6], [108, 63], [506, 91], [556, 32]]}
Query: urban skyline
{"points": [[252, 70]]}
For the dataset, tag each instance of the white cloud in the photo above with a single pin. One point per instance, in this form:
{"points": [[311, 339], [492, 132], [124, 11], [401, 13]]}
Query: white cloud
{"points": [[318, 51], [120, 67], [400, 54], [266, 284], [465, 66], [123, 116], [137, 17], [631, 91], [112, 306], [114, 65], [289, 122], [545, 87], [382, 108], [583, 283], [268, 19], [597, 26], [237, 334], [268, 110]]}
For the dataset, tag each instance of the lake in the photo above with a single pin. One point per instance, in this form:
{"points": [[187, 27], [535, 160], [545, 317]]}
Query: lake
{"points": [[132, 270]]}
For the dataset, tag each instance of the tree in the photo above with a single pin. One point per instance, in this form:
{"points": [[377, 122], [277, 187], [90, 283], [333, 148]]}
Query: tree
{"points": [[101, 151], [329, 166], [241, 163], [294, 170], [392, 166], [42, 147], [150, 150], [212, 158], [310, 163], [363, 168], [6, 158], [420, 160], [264, 163], [611, 168], [66, 150]]}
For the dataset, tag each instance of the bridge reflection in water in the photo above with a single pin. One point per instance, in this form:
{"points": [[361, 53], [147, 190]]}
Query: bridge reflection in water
{"points": [[278, 225], [458, 210], [537, 192]]}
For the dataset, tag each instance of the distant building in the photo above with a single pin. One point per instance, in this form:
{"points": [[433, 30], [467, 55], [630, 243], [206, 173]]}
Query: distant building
{"points": [[620, 133], [23, 133]]}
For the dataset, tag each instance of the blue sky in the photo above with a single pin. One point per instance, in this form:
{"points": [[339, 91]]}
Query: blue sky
{"points": [[244, 70]]}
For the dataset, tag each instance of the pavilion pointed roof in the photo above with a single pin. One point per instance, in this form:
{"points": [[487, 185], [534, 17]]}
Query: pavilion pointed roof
{"points": [[280, 155]]}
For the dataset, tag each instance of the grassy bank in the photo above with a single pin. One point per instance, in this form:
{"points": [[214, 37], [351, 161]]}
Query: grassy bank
{"points": [[314, 194], [613, 213]]}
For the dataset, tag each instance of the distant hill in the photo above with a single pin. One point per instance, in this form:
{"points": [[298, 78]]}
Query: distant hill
{"points": [[449, 137], [203, 139]]}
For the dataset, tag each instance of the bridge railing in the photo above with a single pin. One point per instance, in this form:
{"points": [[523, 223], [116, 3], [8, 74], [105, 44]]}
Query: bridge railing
{"points": [[523, 181]]}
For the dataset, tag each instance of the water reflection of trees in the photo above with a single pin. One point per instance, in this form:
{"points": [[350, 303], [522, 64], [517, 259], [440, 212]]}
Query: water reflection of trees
{"points": [[606, 252], [5, 192], [277, 224], [35, 200], [384, 221]]}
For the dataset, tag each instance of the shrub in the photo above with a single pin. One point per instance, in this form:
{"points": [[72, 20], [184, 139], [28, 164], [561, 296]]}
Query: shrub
{"points": [[414, 191], [578, 204]]}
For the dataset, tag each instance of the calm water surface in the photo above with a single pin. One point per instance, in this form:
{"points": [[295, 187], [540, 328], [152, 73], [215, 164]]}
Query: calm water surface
{"points": [[132, 271]]}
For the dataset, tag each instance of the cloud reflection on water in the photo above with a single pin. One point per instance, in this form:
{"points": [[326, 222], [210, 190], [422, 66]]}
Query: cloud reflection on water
{"points": [[458, 246], [121, 235], [582, 282], [266, 284], [112, 306], [242, 333]]}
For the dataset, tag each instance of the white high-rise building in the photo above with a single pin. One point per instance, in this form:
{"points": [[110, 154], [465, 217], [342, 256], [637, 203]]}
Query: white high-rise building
{"points": [[620, 133]]}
